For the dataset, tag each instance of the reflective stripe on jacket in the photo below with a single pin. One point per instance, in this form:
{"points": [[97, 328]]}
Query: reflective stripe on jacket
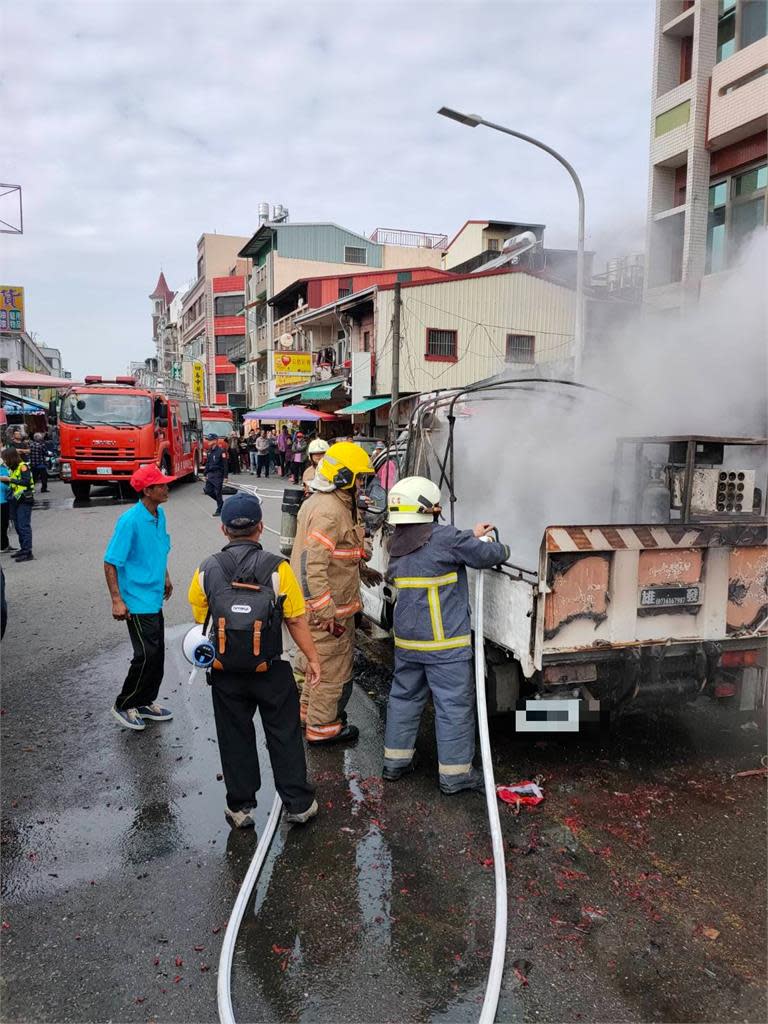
{"points": [[326, 554], [21, 483], [432, 620]]}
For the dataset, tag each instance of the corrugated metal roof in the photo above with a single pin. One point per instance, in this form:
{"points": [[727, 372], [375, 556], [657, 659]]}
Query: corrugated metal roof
{"points": [[320, 391], [365, 406]]}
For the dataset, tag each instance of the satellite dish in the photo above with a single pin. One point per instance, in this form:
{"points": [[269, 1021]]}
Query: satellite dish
{"points": [[285, 340]]}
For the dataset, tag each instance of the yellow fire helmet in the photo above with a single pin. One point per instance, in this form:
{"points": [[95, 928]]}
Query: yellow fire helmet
{"points": [[343, 463]]}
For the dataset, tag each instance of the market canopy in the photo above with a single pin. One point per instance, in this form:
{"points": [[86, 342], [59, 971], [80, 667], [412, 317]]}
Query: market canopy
{"points": [[365, 406], [18, 403], [289, 412], [319, 392], [26, 379]]}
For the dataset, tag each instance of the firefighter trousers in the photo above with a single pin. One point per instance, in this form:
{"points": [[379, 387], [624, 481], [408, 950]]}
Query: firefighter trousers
{"points": [[236, 699], [322, 707], [452, 686]]}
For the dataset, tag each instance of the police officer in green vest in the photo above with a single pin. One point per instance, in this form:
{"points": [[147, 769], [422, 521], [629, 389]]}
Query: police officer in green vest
{"points": [[22, 495]]}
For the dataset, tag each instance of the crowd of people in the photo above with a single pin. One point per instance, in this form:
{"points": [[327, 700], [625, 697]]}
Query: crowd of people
{"points": [[242, 596], [23, 464]]}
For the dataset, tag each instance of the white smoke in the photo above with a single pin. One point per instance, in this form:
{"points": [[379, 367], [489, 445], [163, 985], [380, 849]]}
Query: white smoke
{"points": [[542, 457]]}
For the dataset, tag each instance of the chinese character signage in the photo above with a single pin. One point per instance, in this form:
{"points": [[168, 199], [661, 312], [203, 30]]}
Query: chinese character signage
{"points": [[11, 308], [198, 381], [291, 368]]}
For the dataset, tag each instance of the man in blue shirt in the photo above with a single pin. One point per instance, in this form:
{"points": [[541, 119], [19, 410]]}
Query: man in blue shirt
{"points": [[135, 566]]}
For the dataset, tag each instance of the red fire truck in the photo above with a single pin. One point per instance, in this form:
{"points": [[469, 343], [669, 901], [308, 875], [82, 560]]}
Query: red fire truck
{"points": [[108, 428], [217, 419]]}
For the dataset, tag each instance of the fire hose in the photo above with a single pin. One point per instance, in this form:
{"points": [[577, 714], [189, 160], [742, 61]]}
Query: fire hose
{"points": [[496, 970]]}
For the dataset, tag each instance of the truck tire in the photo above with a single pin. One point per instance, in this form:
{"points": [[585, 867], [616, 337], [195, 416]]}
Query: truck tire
{"points": [[81, 490], [165, 465], [196, 468]]}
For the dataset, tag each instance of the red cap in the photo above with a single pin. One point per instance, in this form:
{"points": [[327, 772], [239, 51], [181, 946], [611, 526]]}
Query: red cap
{"points": [[147, 476]]}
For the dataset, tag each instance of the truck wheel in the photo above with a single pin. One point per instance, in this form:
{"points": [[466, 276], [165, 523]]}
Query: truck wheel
{"points": [[196, 469], [81, 490], [165, 465]]}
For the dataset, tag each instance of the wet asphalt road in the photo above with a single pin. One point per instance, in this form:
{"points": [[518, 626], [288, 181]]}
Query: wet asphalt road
{"points": [[636, 890]]}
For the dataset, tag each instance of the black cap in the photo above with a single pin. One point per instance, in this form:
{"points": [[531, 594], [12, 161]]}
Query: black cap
{"points": [[241, 510], [211, 437]]}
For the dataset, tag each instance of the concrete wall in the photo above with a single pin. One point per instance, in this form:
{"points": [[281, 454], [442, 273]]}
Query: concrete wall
{"points": [[468, 243]]}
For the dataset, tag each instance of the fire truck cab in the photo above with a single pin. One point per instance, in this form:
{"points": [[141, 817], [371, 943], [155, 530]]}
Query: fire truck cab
{"points": [[217, 419], [108, 428]]}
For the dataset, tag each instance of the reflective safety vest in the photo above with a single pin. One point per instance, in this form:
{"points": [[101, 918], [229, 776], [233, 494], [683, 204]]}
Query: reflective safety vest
{"points": [[21, 483], [432, 620]]}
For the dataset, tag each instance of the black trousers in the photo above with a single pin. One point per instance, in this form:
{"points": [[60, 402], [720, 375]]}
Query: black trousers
{"points": [[40, 473], [213, 488], [262, 462], [5, 518], [142, 684], [236, 698]]}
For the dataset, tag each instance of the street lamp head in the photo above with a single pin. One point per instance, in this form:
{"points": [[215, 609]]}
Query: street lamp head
{"points": [[472, 120]]}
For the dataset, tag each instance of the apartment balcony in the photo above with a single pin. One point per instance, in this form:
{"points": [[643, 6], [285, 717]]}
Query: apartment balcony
{"points": [[236, 351], [257, 282], [287, 325], [739, 95], [260, 339]]}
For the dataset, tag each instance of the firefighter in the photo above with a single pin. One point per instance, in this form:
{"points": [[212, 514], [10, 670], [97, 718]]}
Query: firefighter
{"points": [[433, 642], [315, 451], [326, 558]]}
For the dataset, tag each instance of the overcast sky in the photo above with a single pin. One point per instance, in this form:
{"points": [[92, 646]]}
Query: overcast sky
{"points": [[134, 127]]}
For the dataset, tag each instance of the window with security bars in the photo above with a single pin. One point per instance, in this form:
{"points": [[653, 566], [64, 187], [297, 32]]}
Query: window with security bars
{"points": [[442, 346], [355, 254], [520, 348], [227, 305]]}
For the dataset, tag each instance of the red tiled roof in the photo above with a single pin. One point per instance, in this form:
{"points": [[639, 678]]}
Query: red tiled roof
{"points": [[162, 291]]}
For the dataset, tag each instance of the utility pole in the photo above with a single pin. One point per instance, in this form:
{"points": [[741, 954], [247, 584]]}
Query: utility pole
{"points": [[395, 389]]}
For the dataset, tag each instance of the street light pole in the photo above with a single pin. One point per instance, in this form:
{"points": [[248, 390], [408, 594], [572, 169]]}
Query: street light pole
{"points": [[472, 121]]}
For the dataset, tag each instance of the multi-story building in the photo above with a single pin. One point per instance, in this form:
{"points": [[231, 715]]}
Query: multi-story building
{"points": [[216, 258], [283, 253], [709, 167], [454, 330]]}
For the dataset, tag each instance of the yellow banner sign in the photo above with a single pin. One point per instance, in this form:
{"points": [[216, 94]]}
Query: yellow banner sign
{"points": [[292, 364], [198, 381], [11, 308]]}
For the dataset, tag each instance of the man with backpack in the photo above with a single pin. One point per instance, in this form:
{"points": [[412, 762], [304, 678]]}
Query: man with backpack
{"points": [[246, 594]]}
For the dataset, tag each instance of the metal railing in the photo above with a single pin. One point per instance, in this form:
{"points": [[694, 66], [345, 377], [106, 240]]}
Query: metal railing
{"points": [[417, 239]]}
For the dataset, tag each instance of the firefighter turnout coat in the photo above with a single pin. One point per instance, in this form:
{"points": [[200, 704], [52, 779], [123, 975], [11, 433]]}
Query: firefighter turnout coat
{"points": [[326, 556]]}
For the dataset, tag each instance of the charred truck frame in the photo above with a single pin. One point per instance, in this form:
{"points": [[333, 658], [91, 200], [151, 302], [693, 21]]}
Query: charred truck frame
{"points": [[666, 601]]}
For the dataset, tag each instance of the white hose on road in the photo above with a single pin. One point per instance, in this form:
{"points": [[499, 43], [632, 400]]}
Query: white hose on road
{"points": [[224, 982], [496, 971]]}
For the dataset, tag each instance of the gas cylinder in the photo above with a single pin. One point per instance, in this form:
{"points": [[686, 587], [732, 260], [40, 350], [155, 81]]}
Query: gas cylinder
{"points": [[292, 499], [657, 499]]}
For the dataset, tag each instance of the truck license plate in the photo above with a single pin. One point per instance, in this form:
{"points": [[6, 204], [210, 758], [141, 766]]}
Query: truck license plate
{"points": [[104, 471], [669, 597]]}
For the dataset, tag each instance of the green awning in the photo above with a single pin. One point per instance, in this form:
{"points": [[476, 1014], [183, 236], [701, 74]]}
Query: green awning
{"points": [[319, 391], [365, 406]]}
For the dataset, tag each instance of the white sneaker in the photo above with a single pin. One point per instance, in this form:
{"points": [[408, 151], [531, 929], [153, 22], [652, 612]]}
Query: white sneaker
{"points": [[304, 816], [239, 819], [129, 719]]}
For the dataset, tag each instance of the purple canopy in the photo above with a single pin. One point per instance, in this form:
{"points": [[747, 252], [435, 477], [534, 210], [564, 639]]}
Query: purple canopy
{"points": [[289, 412]]}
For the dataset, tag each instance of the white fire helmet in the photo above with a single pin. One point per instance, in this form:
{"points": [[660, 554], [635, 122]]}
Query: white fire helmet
{"points": [[198, 649], [413, 499], [317, 447]]}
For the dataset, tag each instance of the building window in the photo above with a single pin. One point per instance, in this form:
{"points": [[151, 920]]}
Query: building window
{"points": [[225, 383], [754, 21], [404, 276], [442, 346], [355, 254], [737, 207], [686, 58], [3, 366], [345, 286], [493, 243], [520, 348], [226, 343], [227, 305], [366, 341], [726, 29]]}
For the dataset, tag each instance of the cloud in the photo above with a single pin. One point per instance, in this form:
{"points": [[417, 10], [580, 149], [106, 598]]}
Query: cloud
{"points": [[138, 126]]}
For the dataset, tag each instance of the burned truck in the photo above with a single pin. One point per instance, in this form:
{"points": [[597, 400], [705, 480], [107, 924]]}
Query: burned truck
{"points": [[661, 599]]}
